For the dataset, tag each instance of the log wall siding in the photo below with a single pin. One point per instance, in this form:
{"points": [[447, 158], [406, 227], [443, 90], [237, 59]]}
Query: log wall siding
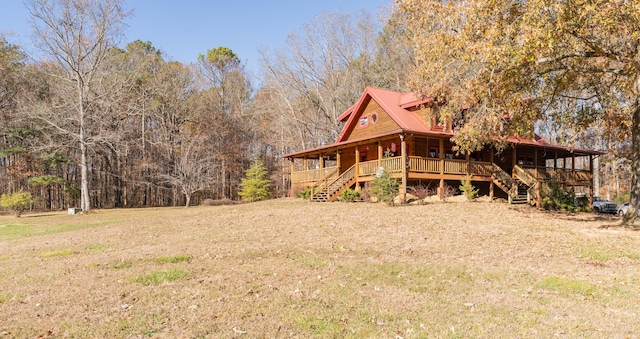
{"points": [[384, 123]]}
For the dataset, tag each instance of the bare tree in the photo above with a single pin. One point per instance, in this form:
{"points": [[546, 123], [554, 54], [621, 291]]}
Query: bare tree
{"points": [[193, 170], [78, 36], [321, 72]]}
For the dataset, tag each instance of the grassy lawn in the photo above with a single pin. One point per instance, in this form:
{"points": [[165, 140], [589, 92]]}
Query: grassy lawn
{"points": [[290, 268]]}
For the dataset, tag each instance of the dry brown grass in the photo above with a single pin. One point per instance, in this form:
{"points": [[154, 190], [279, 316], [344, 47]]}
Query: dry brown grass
{"points": [[290, 268]]}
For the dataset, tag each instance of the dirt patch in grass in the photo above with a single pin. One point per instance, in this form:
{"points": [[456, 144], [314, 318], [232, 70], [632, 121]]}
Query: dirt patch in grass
{"points": [[288, 267]]}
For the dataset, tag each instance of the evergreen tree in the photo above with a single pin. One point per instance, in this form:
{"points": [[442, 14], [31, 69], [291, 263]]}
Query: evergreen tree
{"points": [[255, 184], [384, 187]]}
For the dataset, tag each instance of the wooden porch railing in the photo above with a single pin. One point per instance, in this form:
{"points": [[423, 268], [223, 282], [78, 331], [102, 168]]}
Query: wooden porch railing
{"points": [[392, 164], [368, 167], [313, 175], [456, 166], [371, 167], [559, 174], [424, 165], [451, 166]]}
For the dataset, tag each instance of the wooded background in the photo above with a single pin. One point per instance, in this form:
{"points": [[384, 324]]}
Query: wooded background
{"points": [[152, 132]]}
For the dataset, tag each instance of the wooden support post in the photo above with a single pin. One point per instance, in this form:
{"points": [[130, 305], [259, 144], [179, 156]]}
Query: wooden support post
{"points": [[491, 190], [380, 154], [513, 159], [535, 163], [573, 168], [321, 160], [538, 183], [591, 186], [441, 156], [403, 150], [555, 160], [338, 152], [293, 165], [491, 184], [305, 169], [357, 162], [293, 168]]}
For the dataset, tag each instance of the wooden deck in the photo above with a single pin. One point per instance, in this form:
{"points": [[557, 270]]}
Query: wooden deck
{"points": [[450, 169]]}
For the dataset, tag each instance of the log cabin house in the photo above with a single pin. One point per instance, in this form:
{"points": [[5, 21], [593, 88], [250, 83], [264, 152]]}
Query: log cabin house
{"points": [[399, 132]]}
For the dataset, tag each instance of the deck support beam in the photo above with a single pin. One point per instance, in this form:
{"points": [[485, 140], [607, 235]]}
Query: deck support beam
{"points": [[591, 186], [514, 159], [491, 190], [357, 162], [293, 168], [403, 150], [535, 174], [441, 156]]}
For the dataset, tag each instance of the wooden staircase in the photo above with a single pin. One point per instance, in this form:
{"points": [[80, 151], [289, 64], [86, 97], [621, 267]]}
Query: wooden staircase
{"points": [[528, 184], [518, 191], [330, 189]]}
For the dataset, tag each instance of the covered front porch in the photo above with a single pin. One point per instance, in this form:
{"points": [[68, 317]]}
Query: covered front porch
{"points": [[414, 159]]}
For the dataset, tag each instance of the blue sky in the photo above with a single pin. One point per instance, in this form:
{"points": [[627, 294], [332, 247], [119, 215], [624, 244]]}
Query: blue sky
{"points": [[184, 29]]}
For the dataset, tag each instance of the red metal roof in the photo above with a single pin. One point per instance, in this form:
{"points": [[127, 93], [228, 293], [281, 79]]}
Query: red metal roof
{"points": [[396, 105]]}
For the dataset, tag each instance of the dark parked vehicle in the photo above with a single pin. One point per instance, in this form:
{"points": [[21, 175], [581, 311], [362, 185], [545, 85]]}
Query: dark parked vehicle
{"points": [[604, 206]]}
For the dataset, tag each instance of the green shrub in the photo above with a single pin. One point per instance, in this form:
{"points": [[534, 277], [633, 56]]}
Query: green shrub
{"points": [[16, 202], [255, 184], [305, 193], [349, 195], [468, 189], [557, 198], [384, 187]]}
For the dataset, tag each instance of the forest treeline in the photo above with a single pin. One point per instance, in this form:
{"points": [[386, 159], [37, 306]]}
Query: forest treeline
{"points": [[158, 132], [100, 124]]}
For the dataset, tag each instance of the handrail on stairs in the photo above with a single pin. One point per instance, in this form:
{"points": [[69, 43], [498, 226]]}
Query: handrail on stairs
{"points": [[322, 184], [504, 178], [524, 176], [334, 180]]}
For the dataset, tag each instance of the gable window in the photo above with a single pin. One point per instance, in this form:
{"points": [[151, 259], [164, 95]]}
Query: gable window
{"points": [[364, 121], [374, 118]]}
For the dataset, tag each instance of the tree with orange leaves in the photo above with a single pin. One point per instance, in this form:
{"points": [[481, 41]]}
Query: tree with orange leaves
{"points": [[514, 61]]}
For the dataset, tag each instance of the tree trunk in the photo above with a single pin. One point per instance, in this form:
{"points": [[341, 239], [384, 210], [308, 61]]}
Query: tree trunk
{"points": [[632, 212], [85, 203]]}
